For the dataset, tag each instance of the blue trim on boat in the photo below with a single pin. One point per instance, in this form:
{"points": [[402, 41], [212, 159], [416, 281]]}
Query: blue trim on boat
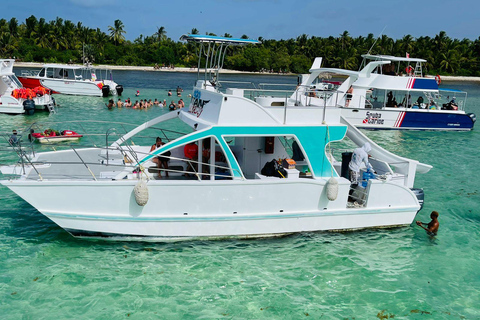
{"points": [[434, 120], [429, 84], [235, 217]]}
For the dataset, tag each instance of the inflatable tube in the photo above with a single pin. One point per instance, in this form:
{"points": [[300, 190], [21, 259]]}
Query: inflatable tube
{"points": [[438, 79]]}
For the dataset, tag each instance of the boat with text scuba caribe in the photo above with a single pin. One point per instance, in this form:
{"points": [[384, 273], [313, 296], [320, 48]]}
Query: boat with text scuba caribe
{"points": [[85, 80], [387, 93], [15, 99], [216, 183]]}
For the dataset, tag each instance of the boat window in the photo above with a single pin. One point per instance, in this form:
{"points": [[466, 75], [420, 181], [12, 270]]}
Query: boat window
{"points": [[42, 73], [254, 152], [193, 163], [50, 73]]}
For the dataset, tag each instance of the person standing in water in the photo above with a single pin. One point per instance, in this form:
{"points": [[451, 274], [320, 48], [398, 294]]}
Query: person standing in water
{"points": [[432, 226]]}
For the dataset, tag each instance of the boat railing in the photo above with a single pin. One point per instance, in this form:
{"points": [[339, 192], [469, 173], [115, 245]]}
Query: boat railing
{"points": [[246, 83], [357, 196], [97, 170]]}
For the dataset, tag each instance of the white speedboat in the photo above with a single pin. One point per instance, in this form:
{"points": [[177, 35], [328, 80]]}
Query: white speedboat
{"points": [[384, 94], [14, 99], [73, 80], [215, 187]]}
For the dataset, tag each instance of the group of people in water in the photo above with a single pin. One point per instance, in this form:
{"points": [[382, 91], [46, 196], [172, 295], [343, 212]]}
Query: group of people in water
{"points": [[145, 104]]}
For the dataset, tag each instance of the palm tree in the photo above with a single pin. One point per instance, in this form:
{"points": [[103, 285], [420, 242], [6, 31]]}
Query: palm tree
{"points": [[407, 44], [194, 31], [345, 39], [161, 34], [13, 26], [116, 32], [31, 23]]}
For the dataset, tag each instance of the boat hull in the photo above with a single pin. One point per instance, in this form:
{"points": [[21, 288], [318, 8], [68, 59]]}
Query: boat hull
{"points": [[413, 119], [69, 87], [210, 209]]}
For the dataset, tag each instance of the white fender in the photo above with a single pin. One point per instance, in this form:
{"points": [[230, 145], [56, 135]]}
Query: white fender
{"points": [[141, 192], [332, 189]]}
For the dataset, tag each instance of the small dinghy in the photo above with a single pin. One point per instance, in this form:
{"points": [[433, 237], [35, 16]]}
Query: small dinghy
{"points": [[50, 135]]}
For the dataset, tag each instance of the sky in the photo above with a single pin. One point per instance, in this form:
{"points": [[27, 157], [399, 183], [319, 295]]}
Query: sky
{"points": [[273, 19]]}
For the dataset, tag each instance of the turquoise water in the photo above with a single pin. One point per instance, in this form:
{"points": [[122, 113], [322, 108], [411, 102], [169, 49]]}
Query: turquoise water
{"points": [[374, 274]]}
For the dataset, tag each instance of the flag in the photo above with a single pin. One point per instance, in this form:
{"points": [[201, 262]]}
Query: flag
{"points": [[408, 55]]}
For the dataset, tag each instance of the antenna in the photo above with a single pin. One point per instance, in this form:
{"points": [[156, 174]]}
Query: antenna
{"points": [[376, 40], [364, 61]]}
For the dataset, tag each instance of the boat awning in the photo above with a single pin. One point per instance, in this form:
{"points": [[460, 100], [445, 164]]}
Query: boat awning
{"points": [[215, 39], [391, 58], [62, 66]]}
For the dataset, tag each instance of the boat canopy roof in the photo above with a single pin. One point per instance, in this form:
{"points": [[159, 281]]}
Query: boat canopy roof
{"points": [[62, 66], [71, 66], [391, 58], [215, 39]]}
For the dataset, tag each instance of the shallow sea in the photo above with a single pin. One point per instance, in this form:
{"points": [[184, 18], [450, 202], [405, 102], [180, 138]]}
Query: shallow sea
{"points": [[373, 274]]}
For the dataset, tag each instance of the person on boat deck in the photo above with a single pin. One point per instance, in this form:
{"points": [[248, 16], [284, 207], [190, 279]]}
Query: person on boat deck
{"points": [[432, 105], [13, 138], [432, 226], [119, 103], [161, 162], [359, 157], [191, 153], [349, 96], [420, 101], [390, 99]]}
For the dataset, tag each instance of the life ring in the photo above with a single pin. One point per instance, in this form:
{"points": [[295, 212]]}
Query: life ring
{"points": [[438, 79]]}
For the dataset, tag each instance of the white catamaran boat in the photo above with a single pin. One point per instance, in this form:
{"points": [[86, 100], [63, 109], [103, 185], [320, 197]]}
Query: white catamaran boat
{"points": [[383, 95], [73, 80], [14, 99], [216, 187]]}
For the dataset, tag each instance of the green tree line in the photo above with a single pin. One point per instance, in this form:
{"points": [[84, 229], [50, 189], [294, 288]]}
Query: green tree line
{"points": [[63, 41]]}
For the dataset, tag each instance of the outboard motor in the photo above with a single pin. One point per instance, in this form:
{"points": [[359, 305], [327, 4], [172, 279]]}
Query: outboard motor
{"points": [[106, 90], [119, 89], [420, 196], [472, 116], [29, 107]]}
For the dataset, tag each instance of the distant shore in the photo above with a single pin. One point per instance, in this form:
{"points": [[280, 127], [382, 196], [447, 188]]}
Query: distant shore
{"points": [[148, 68], [193, 70]]}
